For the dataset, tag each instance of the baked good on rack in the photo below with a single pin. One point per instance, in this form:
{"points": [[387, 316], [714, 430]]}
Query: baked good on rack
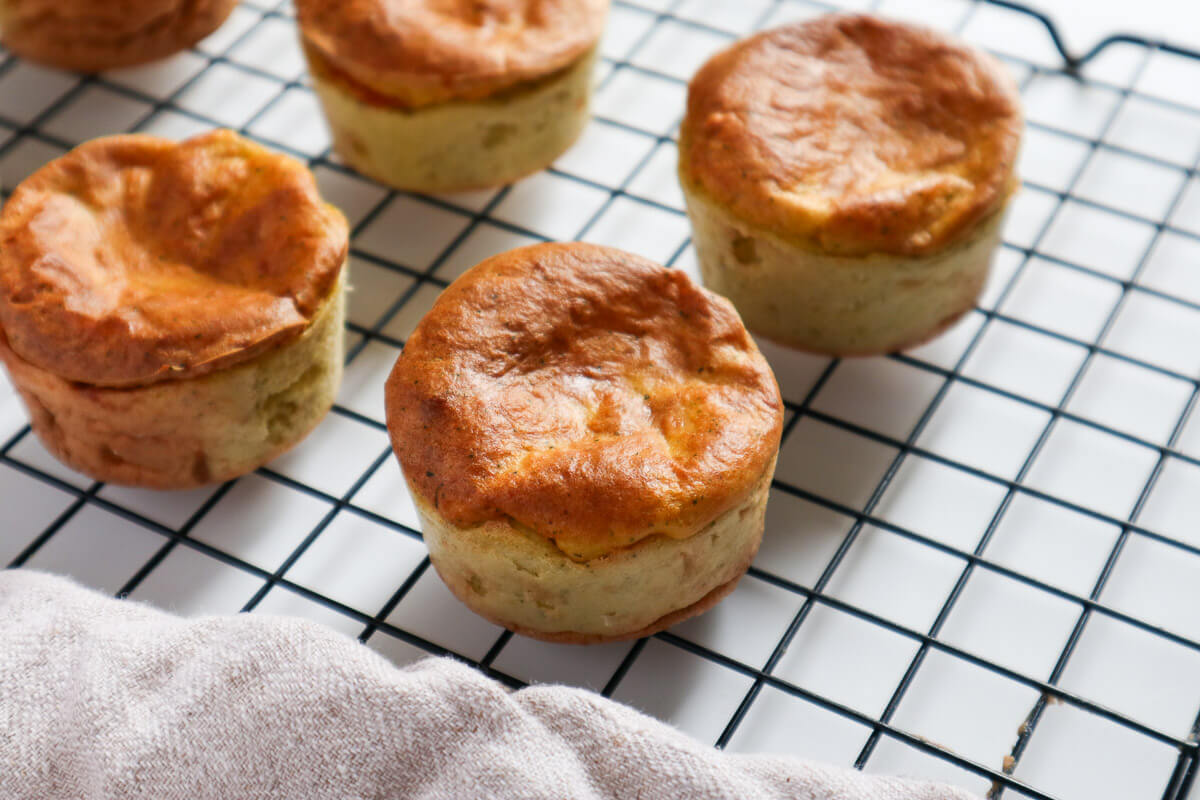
{"points": [[439, 96], [171, 313], [846, 180], [95, 35], [589, 439]]}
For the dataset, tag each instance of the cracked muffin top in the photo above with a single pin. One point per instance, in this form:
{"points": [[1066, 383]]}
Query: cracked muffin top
{"points": [[586, 395], [429, 51], [854, 134], [133, 259]]}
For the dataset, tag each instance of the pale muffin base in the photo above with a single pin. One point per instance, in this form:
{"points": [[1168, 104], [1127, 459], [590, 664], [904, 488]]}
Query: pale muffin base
{"points": [[188, 433], [835, 305], [517, 579], [83, 48], [461, 145]]}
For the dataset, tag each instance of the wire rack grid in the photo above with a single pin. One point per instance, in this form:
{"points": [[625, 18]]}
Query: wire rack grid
{"points": [[982, 560]]}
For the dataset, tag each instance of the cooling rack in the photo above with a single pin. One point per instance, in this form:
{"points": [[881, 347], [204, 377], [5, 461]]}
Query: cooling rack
{"points": [[982, 558]]}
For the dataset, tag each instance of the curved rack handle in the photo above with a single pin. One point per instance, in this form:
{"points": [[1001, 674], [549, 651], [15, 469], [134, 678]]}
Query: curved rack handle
{"points": [[1074, 62]]}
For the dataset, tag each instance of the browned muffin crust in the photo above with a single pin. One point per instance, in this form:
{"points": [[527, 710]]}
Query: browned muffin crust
{"points": [[421, 52], [95, 35], [134, 259], [855, 134], [586, 394]]}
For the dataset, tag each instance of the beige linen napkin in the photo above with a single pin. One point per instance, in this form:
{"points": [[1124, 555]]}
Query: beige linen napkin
{"points": [[101, 698]]}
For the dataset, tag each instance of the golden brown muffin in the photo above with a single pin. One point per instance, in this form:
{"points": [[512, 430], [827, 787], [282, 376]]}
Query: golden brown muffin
{"points": [[95, 35], [440, 95], [846, 179], [171, 314], [589, 439]]}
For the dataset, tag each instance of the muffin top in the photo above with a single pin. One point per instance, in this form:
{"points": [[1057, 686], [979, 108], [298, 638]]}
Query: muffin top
{"points": [[134, 259], [420, 52], [854, 135], [584, 394], [94, 35]]}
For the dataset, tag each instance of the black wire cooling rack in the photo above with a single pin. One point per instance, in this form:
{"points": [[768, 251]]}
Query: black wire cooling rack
{"points": [[246, 78]]}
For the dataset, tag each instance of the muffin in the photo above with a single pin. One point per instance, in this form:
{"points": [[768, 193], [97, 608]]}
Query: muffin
{"points": [[171, 313], [95, 35], [846, 179], [438, 97], [589, 439]]}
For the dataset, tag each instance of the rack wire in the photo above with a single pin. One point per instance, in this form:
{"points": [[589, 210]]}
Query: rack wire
{"points": [[248, 79]]}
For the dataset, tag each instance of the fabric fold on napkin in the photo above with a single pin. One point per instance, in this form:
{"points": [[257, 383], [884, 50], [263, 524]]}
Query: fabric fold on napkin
{"points": [[104, 698]]}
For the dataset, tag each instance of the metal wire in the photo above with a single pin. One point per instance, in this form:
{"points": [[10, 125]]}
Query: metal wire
{"points": [[975, 559]]}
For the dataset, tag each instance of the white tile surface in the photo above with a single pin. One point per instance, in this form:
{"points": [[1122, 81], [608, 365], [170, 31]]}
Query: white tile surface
{"points": [[1051, 159], [646, 103], [605, 153], [1147, 677], [678, 50], [294, 120], [965, 708], [98, 549], [940, 502], [1173, 507], [664, 679], [1130, 398], [657, 179], [847, 660], [849, 477], [1027, 216], [334, 456], [190, 583], [1168, 600], [1130, 184], [96, 111], [228, 95], [1063, 103], [984, 430], [1096, 238], [640, 228], [543, 662], [373, 290], [853, 392], [1157, 130], [1062, 300], [430, 611], [261, 522], [1077, 756], [1052, 543], [1171, 267], [386, 494], [29, 451], [29, 90], [364, 378], [40, 504], [551, 205], [1010, 623], [483, 242], [1025, 362], [724, 629], [782, 723], [1159, 332], [894, 757], [896, 578], [357, 562], [281, 601], [1091, 468], [800, 538], [172, 509], [411, 232]]}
